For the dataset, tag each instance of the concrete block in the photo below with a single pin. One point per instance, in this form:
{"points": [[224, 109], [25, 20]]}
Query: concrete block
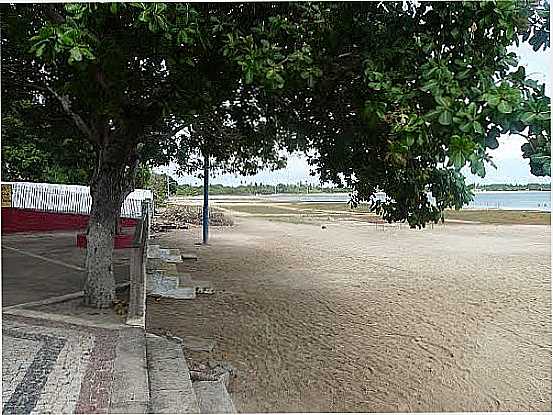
{"points": [[184, 280], [189, 282], [213, 398], [159, 283], [129, 408], [156, 264], [171, 389], [130, 392], [153, 251], [180, 294], [167, 254], [171, 254], [164, 286], [188, 256]]}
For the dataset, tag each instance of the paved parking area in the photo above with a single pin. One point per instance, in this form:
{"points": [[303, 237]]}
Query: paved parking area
{"points": [[37, 266]]}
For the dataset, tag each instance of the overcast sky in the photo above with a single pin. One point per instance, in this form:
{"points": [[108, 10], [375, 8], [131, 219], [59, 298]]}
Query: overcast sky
{"points": [[511, 167]]}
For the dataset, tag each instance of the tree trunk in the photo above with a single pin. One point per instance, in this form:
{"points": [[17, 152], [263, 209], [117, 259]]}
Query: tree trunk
{"points": [[106, 191], [118, 227]]}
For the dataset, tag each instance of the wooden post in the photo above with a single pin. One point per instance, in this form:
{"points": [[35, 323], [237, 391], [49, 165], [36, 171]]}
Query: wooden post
{"points": [[139, 256]]}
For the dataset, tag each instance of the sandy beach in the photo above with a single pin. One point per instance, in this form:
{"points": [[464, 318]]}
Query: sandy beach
{"points": [[359, 318]]}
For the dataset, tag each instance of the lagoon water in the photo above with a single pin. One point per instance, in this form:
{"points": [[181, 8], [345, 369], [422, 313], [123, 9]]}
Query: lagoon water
{"points": [[516, 200], [512, 200], [507, 200]]}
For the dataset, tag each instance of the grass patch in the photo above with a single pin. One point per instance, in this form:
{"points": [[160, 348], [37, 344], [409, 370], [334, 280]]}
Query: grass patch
{"points": [[334, 207], [513, 217], [315, 209], [316, 212], [256, 208], [296, 219]]}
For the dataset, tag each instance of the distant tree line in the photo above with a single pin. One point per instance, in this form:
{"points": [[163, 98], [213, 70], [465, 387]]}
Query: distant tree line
{"points": [[257, 188], [303, 188], [505, 187]]}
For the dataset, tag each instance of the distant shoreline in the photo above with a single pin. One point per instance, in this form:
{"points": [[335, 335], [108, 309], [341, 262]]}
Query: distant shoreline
{"points": [[338, 193], [511, 191]]}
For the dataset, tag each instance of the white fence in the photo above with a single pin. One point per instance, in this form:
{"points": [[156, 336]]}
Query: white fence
{"points": [[63, 198]]}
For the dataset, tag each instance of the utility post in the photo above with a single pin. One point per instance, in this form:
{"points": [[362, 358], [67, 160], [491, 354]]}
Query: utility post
{"points": [[167, 176], [205, 221]]}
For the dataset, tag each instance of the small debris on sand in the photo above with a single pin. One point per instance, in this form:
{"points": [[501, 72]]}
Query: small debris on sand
{"points": [[179, 217], [121, 307], [212, 371]]}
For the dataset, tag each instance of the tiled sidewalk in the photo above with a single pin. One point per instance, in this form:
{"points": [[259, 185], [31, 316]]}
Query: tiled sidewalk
{"points": [[57, 367]]}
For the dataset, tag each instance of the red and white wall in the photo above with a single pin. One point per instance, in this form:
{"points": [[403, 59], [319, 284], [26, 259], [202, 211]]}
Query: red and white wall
{"points": [[40, 207]]}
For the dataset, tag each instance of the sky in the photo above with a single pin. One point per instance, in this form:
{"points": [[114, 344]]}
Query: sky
{"points": [[511, 167]]}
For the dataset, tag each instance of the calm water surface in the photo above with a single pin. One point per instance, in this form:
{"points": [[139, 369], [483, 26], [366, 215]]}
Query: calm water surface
{"points": [[515, 200]]}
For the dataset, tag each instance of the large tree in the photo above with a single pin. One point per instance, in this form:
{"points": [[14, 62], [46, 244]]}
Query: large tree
{"points": [[390, 97]]}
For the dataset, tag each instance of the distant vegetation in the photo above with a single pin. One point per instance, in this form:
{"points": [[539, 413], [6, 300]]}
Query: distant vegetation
{"points": [[504, 187], [301, 188], [257, 188]]}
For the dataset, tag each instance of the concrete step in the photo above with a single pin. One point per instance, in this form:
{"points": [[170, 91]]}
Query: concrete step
{"points": [[157, 264], [182, 278], [213, 398], [130, 391], [160, 284], [189, 256], [200, 286], [171, 390], [167, 254]]}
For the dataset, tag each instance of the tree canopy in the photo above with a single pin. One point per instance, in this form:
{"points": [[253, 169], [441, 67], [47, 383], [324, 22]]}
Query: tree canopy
{"points": [[408, 97], [390, 96]]}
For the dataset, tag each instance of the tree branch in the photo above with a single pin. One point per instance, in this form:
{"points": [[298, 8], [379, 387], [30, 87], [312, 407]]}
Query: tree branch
{"points": [[79, 122], [53, 14]]}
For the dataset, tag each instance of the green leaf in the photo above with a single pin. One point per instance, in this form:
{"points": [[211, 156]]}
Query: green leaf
{"points": [[40, 50], [466, 127], [477, 127], [66, 40], [477, 167], [491, 142], [464, 74], [445, 118], [443, 101], [492, 99], [249, 76], [75, 55], [504, 107], [458, 160], [87, 54]]}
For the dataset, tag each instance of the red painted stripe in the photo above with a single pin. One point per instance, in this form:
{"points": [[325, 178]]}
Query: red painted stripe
{"points": [[29, 220], [96, 385]]}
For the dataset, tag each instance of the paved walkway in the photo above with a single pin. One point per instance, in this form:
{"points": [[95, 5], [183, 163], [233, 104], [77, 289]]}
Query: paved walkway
{"points": [[55, 367]]}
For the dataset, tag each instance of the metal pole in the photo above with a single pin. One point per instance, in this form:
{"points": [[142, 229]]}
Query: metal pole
{"points": [[205, 221], [168, 183]]}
